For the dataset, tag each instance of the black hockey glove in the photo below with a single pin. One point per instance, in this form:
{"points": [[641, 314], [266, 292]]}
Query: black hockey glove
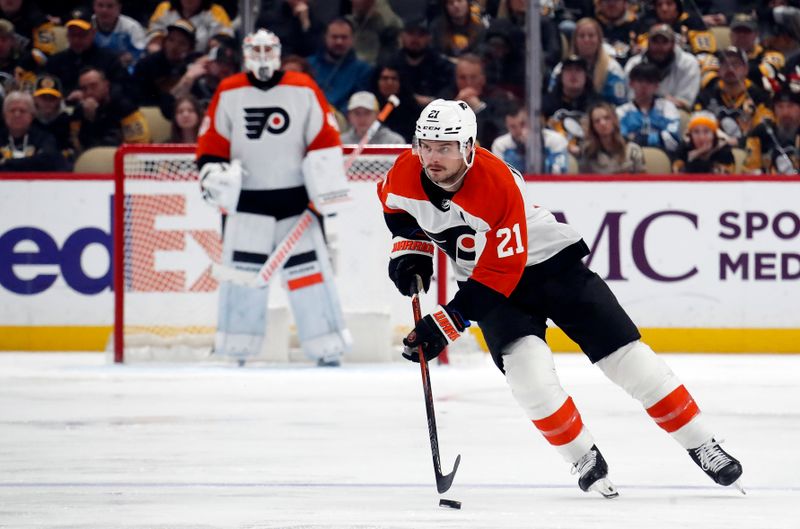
{"points": [[434, 332], [410, 258]]}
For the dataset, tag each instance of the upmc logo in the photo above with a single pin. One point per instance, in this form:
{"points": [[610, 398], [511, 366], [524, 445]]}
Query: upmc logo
{"points": [[157, 259]]}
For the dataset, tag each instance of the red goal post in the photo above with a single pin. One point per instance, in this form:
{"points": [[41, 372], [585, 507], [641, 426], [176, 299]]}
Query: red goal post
{"points": [[166, 237]]}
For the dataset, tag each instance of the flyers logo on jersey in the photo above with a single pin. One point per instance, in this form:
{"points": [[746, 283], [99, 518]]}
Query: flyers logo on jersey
{"points": [[274, 119]]}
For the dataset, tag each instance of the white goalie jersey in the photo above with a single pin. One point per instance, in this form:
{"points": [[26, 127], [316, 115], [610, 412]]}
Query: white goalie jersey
{"points": [[282, 133]]}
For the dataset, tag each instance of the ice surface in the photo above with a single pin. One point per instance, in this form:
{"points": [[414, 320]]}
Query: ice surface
{"points": [[88, 445]]}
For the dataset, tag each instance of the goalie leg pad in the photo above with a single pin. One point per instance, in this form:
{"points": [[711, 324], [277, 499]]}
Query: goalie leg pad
{"points": [[648, 379], [308, 278], [531, 374], [242, 311]]}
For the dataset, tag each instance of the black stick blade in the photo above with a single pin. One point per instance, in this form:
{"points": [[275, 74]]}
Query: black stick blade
{"points": [[443, 483]]}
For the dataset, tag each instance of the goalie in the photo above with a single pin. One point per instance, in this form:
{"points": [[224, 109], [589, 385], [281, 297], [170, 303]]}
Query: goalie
{"points": [[267, 147]]}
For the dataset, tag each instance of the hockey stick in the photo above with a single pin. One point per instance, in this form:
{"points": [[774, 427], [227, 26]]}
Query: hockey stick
{"points": [[443, 482], [275, 261], [390, 105]]}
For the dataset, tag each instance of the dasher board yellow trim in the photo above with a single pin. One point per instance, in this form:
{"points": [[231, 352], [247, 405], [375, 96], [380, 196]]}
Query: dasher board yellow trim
{"points": [[684, 340], [693, 340], [66, 338]]}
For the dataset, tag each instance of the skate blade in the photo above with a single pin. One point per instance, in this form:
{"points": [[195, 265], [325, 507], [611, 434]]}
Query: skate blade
{"points": [[605, 488], [739, 486]]}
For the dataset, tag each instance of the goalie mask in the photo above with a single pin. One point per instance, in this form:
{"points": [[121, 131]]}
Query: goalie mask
{"points": [[262, 54], [444, 120]]}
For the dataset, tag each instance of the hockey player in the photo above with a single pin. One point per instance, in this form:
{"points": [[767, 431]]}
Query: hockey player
{"points": [[268, 145], [516, 266]]}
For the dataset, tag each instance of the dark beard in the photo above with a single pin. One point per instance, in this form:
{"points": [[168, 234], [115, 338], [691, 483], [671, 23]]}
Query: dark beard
{"points": [[414, 54]]}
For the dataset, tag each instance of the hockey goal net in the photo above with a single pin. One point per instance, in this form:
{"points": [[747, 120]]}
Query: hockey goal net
{"points": [[167, 239]]}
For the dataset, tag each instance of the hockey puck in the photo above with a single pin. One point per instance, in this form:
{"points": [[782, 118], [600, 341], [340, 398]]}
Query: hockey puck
{"points": [[450, 504]]}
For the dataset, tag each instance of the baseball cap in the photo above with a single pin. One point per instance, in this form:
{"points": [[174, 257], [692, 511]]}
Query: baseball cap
{"points": [[733, 51], [47, 85], [184, 26], [663, 30], [574, 60], [80, 17], [224, 53], [363, 100], [6, 27], [744, 20], [417, 24]]}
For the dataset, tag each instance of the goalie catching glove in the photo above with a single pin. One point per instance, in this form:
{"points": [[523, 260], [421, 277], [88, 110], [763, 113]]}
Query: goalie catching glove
{"points": [[221, 183], [434, 332], [410, 258]]}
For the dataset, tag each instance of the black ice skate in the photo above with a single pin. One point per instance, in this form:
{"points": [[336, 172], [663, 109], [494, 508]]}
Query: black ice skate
{"points": [[720, 466], [593, 471]]}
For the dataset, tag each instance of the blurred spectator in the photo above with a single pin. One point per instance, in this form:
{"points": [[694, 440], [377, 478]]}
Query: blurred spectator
{"points": [[680, 71], [489, 103], [186, 122], [705, 149], [157, 74], [81, 53], [208, 19], [51, 114], [204, 75], [426, 71], [32, 25], [104, 118], [23, 146], [737, 102], [362, 111], [504, 58], [117, 32], [296, 63], [565, 106], [512, 14], [779, 25], [773, 146], [376, 30], [386, 82], [607, 76], [19, 66], [336, 69], [604, 150], [296, 24], [458, 29], [692, 33], [511, 147], [619, 22], [649, 120], [719, 12], [762, 63]]}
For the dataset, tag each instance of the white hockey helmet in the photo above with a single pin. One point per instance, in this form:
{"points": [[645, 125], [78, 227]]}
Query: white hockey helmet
{"points": [[448, 120], [262, 54]]}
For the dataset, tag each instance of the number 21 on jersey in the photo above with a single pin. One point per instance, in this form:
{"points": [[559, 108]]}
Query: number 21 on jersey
{"points": [[510, 241]]}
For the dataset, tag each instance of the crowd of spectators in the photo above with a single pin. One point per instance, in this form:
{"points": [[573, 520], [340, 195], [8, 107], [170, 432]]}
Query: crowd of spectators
{"points": [[712, 84]]}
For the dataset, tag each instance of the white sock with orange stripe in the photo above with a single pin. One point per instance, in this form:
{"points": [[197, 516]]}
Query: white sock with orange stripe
{"points": [[648, 379], [531, 374]]}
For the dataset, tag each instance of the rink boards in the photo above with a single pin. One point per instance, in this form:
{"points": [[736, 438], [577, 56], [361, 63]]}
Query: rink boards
{"points": [[702, 265]]}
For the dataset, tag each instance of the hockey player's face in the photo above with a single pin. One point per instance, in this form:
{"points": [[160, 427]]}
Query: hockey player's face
{"points": [[442, 160]]}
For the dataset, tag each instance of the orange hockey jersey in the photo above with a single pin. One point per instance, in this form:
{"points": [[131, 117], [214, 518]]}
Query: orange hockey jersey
{"points": [[488, 228], [271, 127]]}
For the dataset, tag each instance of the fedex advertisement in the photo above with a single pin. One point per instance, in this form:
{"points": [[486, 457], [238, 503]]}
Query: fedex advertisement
{"points": [[699, 265]]}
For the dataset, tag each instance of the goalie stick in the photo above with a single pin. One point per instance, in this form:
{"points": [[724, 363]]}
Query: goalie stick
{"points": [[275, 261], [390, 105], [443, 482]]}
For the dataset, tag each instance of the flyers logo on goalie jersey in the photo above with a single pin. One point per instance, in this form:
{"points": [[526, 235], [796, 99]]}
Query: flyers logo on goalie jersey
{"points": [[275, 119]]}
